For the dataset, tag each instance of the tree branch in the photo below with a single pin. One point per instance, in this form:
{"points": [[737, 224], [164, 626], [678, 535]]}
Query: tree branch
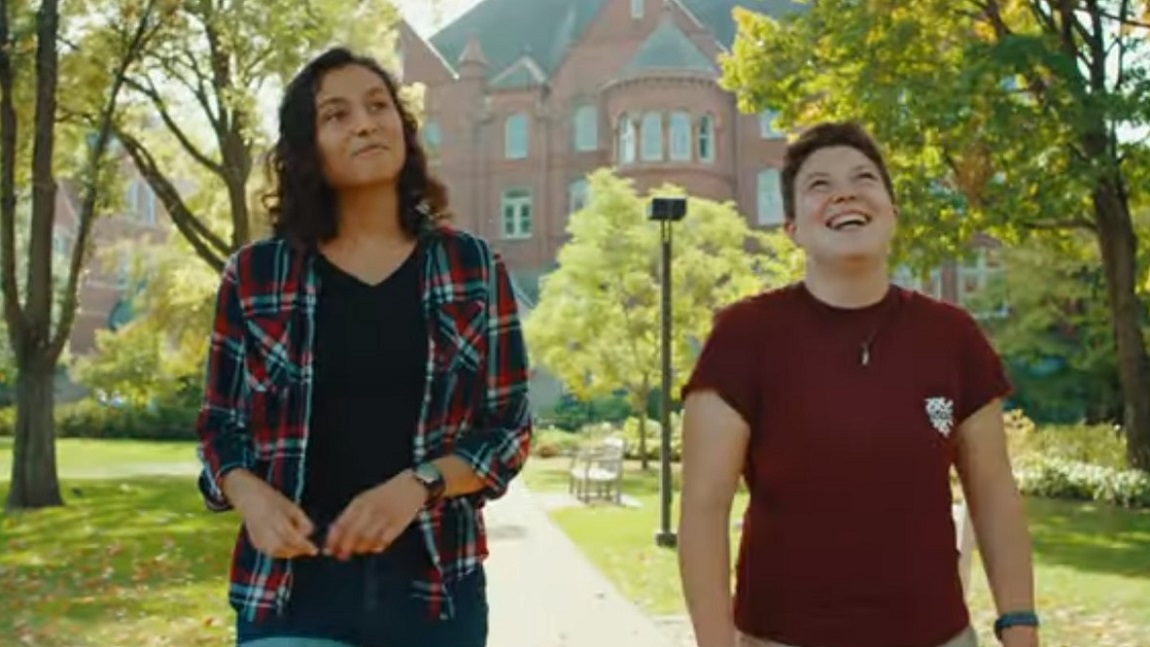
{"points": [[207, 245], [198, 89], [139, 39], [151, 93], [1059, 225], [13, 312], [1123, 17], [38, 293]]}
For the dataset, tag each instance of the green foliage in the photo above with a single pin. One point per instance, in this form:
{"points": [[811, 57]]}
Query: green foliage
{"points": [[629, 431], [572, 413], [1008, 118], [207, 79], [159, 355], [1058, 339], [1074, 462], [7, 365], [168, 420], [982, 120], [1056, 478], [1099, 445], [549, 442], [597, 323]]}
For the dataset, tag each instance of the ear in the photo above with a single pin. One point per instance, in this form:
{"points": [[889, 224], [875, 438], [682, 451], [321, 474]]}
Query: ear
{"points": [[789, 228]]}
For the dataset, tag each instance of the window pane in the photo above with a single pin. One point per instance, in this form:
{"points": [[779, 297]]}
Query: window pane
{"points": [[680, 136], [586, 129], [516, 137], [577, 195], [652, 136], [770, 198], [626, 152], [706, 138]]}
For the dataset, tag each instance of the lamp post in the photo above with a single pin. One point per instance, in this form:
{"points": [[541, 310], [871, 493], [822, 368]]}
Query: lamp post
{"points": [[666, 211]]}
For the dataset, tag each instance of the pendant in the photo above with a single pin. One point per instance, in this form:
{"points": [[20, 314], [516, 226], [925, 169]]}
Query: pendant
{"points": [[864, 360]]}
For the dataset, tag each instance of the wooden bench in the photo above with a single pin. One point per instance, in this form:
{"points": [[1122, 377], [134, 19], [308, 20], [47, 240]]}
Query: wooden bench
{"points": [[597, 471]]}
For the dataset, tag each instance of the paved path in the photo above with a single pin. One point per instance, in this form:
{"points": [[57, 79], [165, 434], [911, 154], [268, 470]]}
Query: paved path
{"points": [[545, 593]]}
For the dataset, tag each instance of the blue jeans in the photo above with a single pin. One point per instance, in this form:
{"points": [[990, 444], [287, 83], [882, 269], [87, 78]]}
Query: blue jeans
{"points": [[367, 602]]}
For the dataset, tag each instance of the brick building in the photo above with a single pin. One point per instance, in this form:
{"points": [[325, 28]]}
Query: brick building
{"points": [[523, 98], [139, 218]]}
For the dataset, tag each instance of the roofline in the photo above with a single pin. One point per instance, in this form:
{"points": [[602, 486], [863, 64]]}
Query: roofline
{"points": [[433, 49], [699, 23], [523, 61]]}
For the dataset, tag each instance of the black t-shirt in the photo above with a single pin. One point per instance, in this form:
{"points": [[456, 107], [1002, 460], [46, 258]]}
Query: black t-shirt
{"points": [[370, 364]]}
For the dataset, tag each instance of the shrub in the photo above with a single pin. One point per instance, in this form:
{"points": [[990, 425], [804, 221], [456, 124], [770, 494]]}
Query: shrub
{"points": [[1058, 478], [548, 442], [1100, 445], [630, 434], [90, 419]]}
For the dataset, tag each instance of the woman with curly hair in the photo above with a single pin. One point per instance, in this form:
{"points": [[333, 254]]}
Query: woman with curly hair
{"points": [[366, 385]]}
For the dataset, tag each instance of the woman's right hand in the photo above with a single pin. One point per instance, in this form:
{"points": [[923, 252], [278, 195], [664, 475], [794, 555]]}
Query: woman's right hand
{"points": [[276, 526]]}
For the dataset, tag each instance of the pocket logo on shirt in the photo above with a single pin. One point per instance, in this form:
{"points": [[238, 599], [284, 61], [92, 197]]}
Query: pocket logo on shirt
{"points": [[940, 410]]}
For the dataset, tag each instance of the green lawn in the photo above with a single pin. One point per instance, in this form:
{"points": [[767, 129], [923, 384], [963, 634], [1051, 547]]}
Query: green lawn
{"points": [[133, 561], [1092, 562], [83, 458], [136, 561]]}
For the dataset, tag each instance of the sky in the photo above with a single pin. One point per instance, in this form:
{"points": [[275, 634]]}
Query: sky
{"points": [[426, 18]]}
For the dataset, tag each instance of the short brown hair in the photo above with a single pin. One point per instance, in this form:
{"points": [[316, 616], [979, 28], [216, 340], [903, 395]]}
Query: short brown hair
{"points": [[825, 135]]}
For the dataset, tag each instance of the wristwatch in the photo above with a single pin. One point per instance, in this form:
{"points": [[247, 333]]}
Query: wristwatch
{"points": [[430, 478], [1014, 619]]}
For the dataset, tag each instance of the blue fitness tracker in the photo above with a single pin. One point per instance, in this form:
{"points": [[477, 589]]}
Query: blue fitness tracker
{"points": [[1014, 619]]}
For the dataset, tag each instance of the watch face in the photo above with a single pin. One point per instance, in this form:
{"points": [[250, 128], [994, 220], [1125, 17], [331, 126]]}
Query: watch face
{"points": [[431, 479]]}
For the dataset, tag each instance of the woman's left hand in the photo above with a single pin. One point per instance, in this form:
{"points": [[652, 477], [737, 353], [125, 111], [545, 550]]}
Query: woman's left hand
{"points": [[376, 517]]}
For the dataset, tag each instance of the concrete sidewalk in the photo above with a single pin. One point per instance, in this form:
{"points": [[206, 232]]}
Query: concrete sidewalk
{"points": [[544, 593]]}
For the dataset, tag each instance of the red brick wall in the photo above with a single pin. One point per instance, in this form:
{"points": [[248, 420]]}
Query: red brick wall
{"points": [[471, 118]]}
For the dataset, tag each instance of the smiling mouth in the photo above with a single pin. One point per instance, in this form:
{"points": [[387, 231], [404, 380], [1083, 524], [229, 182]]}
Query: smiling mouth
{"points": [[374, 148], [848, 221]]}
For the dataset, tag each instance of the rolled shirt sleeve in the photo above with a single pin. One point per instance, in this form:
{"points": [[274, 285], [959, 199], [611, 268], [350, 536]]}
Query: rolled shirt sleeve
{"points": [[497, 449], [224, 443]]}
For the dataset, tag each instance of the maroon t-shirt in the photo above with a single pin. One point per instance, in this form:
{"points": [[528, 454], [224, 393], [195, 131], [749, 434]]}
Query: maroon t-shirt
{"points": [[848, 539]]}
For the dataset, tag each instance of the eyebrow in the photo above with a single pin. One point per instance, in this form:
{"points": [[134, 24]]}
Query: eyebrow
{"points": [[331, 101], [343, 100], [856, 169]]}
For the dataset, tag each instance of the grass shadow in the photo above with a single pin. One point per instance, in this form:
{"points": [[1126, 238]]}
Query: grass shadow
{"points": [[1091, 537], [126, 562]]}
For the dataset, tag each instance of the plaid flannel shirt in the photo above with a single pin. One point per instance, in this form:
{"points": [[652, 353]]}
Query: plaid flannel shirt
{"points": [[257, 399]]}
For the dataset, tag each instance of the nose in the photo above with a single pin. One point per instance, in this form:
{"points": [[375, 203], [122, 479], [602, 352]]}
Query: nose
{"points": [[363, 124], [843, 193]]}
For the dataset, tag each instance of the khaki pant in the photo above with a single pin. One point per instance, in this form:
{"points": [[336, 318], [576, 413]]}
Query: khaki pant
{"points": [[964, 639]]}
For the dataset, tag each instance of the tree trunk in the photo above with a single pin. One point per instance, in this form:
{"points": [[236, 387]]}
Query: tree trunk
{"points": [[34, 481], [1119, 243]]}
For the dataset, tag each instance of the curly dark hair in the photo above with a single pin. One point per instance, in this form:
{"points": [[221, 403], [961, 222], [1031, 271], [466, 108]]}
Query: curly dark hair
{"points": [[301, 204]]}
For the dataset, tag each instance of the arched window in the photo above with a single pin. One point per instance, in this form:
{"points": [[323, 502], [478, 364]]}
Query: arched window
{"points": [[707, 138]]}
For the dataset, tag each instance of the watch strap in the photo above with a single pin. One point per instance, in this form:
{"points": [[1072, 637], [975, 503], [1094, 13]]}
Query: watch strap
{"points": [[1014, 619]]}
